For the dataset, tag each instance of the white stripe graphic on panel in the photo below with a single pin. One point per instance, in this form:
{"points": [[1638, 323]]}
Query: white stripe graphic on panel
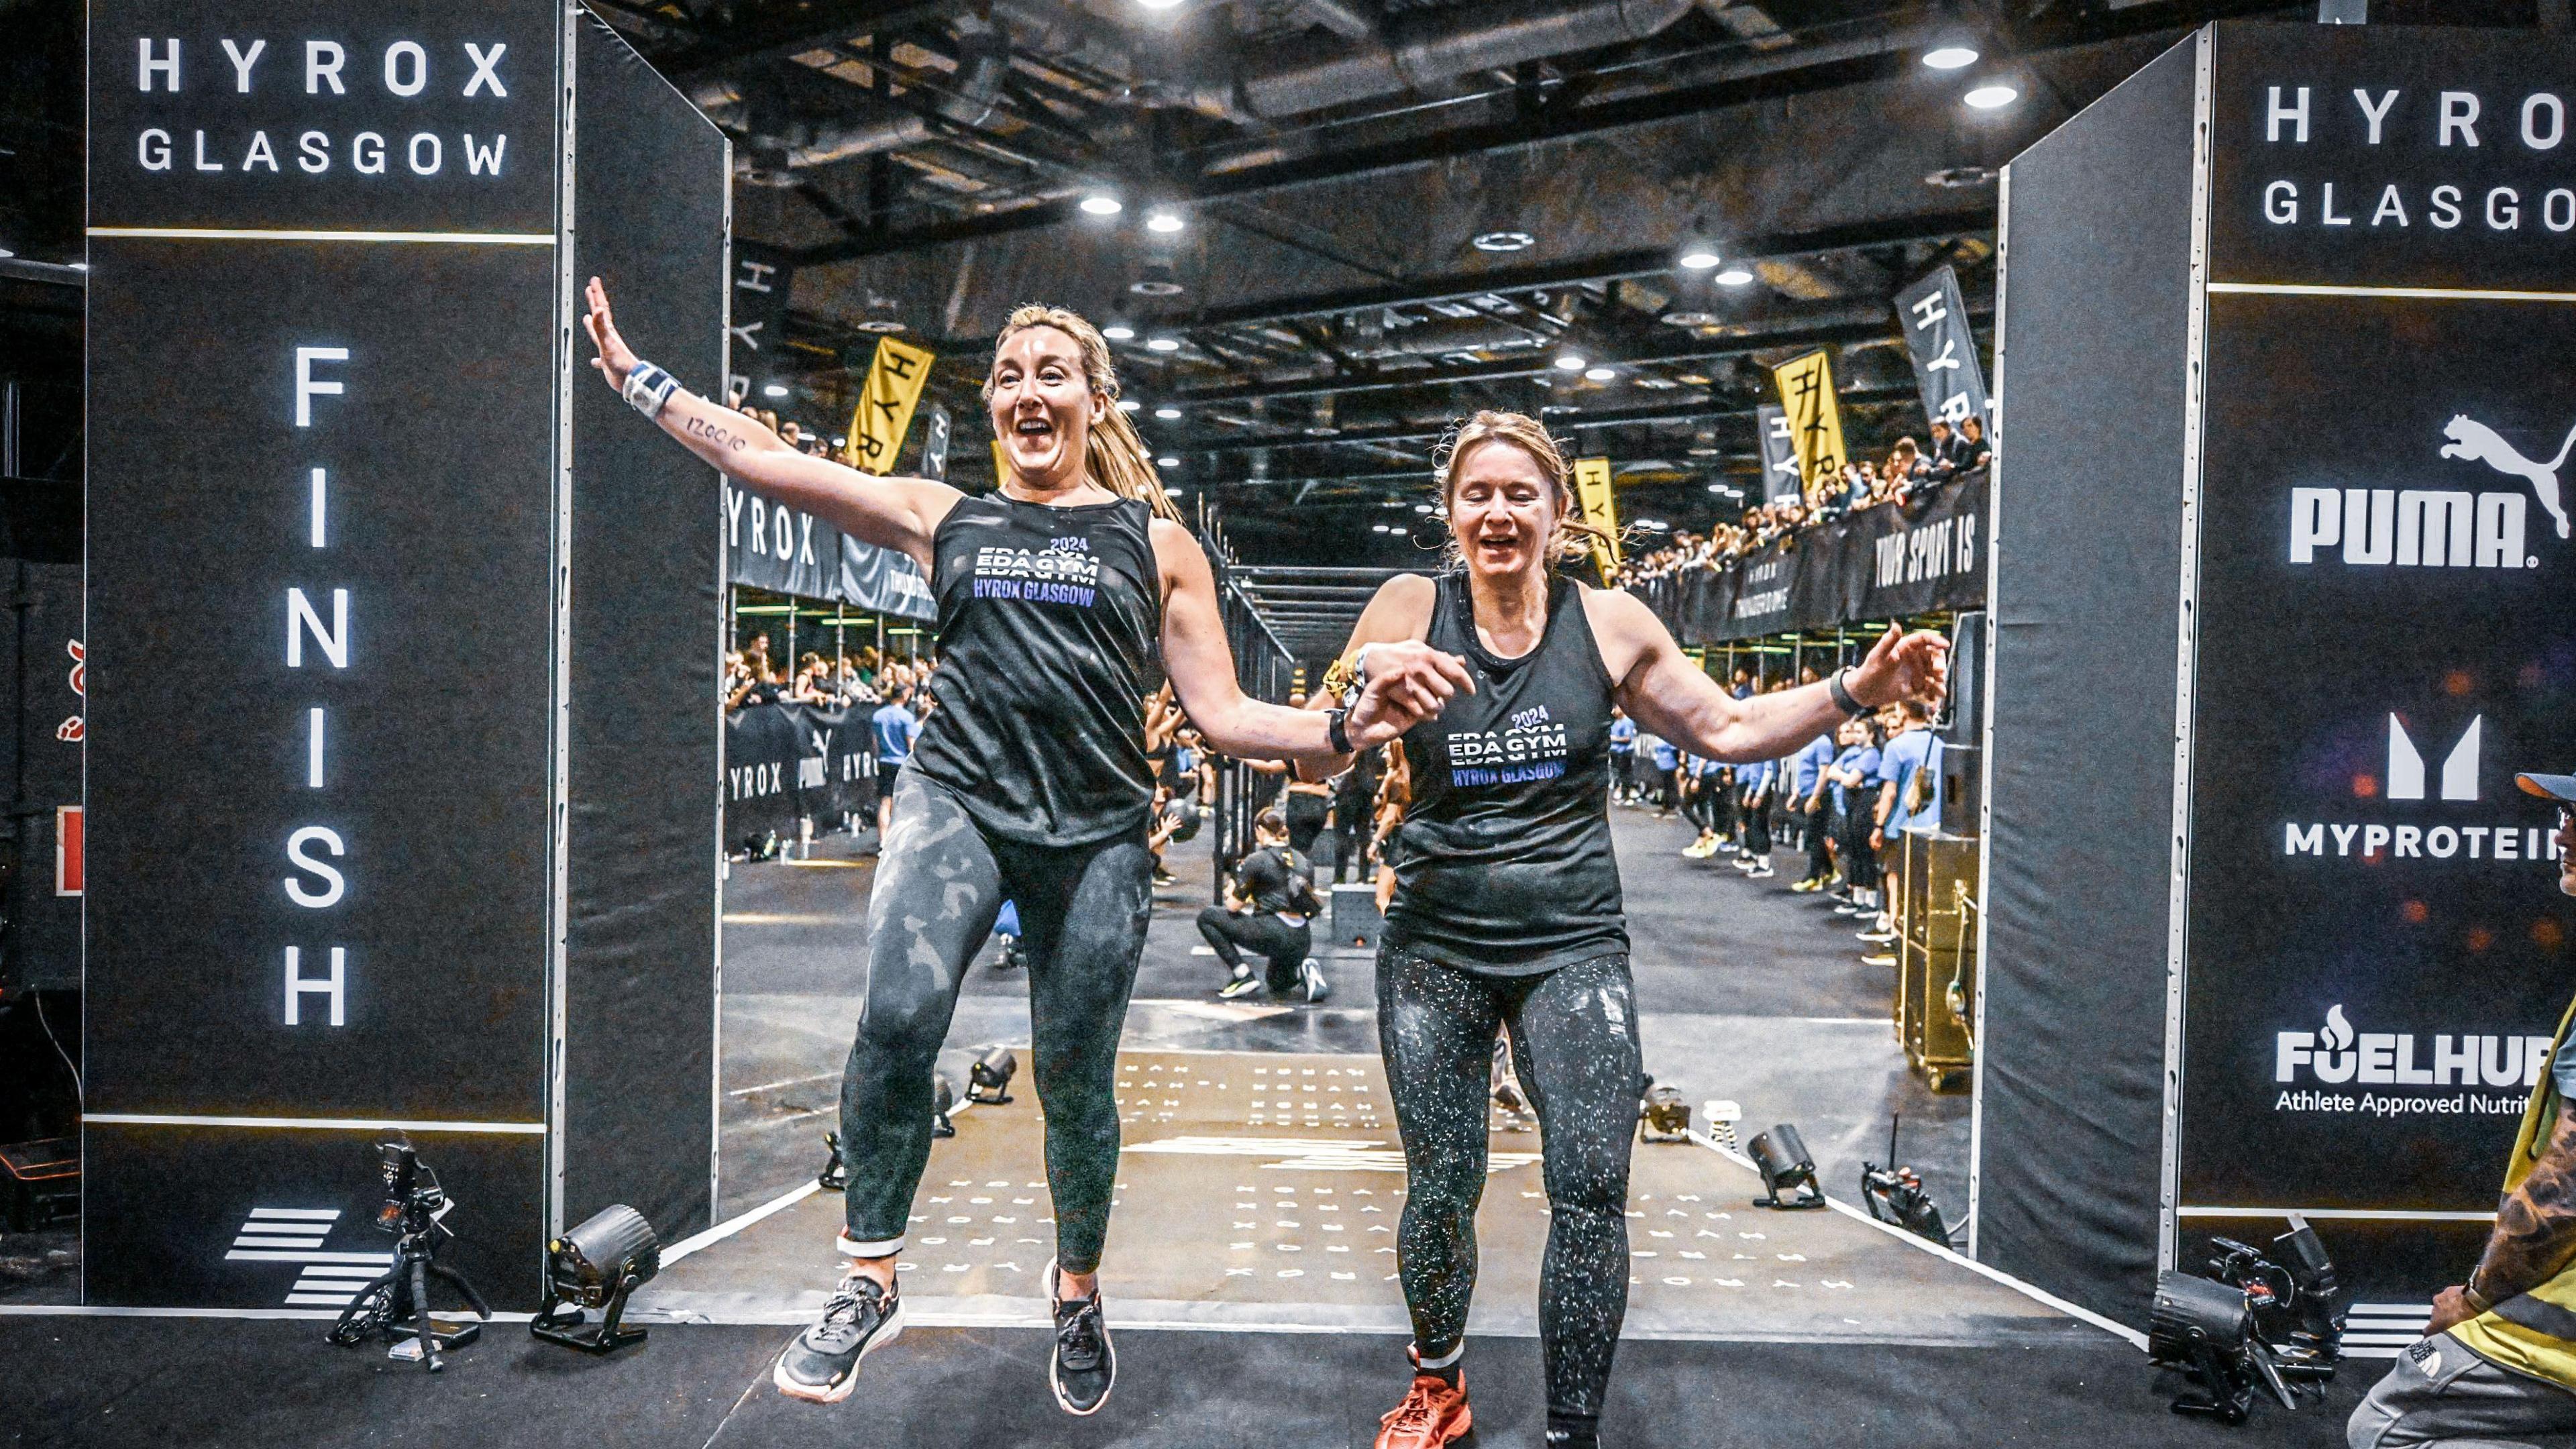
{"points": [[296, 1235]]}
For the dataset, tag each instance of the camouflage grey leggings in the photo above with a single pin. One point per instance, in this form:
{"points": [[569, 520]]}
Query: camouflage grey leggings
{"points": [[939, 883]]}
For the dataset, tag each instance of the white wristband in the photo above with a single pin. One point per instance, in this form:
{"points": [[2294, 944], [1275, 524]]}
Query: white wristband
{"points": [[648, 388]]}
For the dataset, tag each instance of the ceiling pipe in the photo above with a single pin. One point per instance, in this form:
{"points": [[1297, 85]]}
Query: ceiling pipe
{"points": [[984, 59]]}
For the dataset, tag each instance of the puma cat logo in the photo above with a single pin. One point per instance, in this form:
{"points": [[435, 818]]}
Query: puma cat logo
{"points": [[2473, 439]]}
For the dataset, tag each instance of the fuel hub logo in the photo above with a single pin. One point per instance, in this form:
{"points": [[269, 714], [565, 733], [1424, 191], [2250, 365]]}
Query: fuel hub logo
{"points": [[2489, 1071]]}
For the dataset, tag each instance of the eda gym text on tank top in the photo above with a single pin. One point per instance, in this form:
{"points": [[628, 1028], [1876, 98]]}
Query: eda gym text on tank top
{"points": [[1504, 863], [1048, 619]]}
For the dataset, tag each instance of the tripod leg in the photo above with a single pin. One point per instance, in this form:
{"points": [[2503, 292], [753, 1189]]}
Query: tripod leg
{"points": [[428, 1333], [464, 1287], [355, 1321]]}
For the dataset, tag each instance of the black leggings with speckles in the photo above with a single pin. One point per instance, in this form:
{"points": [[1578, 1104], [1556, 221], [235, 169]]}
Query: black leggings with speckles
{"points": [[1574, 1046]]}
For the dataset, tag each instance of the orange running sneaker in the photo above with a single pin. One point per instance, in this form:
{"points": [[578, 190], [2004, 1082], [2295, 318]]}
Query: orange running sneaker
{"points": [[1432, 1414]]}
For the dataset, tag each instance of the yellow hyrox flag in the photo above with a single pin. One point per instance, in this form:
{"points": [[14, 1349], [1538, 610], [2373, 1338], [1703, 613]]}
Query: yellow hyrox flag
{"points": [[1815, 425], [895, 381], [1592, 494]]}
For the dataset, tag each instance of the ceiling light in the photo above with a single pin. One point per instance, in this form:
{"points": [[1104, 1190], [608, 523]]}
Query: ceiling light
{"points": [[1952, 56], [775, 389], [1422, 508], [1157, 4], [1167, 462], [1322, 430], [1600, 374], [1163, 221], [1991, 96], [1101, 203], [1128, 405], [1162, 344], [1689, 317], [1395, 503], [80, 266], [1504, 241], [1732, 277], [1570, 362], [5, 253], [1118, 332], [1704, 450], [1700, 259], [1167, 412]]}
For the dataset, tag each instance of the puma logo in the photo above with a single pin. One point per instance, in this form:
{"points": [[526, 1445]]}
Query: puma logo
{"points": [[2473, 439]]}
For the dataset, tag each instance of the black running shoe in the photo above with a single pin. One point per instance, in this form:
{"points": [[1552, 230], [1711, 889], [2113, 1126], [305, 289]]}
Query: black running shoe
{"points": [[822, 1364], [1084, 1366]]}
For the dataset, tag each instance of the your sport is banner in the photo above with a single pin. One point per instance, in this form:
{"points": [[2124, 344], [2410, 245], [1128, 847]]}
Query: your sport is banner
{"points": [[1944, 350], [1879, 563], [1815, 423]]}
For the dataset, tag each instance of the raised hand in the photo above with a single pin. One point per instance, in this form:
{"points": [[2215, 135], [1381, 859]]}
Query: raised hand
{"points": [[1408, 682], [615, 358], [1903, 666]]}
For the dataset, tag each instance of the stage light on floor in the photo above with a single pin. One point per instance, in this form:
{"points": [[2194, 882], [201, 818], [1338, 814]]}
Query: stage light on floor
{"points": [[1101, 203], [597, 1265], [1786, 1165], [1664, 1116], [989, 1079], [1993, 95], [943, 1100], [1722, 1116]]}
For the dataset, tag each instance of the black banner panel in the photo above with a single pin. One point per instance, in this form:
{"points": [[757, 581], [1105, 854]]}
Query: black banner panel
{"points": [[1880, 563], [367, 853], [2376, 948]]}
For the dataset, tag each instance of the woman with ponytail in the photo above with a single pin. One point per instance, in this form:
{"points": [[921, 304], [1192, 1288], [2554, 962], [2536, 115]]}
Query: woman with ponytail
{"points": [[1506, 912], [1056, 594]]}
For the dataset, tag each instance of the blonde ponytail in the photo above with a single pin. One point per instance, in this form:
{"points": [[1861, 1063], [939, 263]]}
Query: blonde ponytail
{"points": [[1116, 458]]}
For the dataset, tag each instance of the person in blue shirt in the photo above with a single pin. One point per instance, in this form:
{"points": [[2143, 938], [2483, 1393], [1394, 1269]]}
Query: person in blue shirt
{"points": [[895, 727], [1909, 781], [1807, 800], [1668, 763], [1755, 781], [1623, 756], [1853, 772]]}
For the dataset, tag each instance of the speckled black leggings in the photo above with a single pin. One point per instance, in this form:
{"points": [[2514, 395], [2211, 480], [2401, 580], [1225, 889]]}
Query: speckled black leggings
{"points": [[1574, 1046], [940, 881]]}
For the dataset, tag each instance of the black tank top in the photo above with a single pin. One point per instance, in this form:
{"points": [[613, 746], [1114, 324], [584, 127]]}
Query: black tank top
{"points": [[1504, 863], [1047, 623]]}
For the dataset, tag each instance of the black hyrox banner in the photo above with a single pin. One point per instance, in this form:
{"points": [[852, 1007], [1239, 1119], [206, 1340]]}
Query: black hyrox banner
{"points": [[1879, 563], [2382, 619], [323, 308]]}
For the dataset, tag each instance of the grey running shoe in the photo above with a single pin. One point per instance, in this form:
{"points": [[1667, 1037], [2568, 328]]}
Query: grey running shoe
{"points": [[1311, 975], [1084, 1367], [822, 1365]]}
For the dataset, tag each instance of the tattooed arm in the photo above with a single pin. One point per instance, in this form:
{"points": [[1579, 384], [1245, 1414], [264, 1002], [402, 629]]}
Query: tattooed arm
{"points": [[2535, 1232]]}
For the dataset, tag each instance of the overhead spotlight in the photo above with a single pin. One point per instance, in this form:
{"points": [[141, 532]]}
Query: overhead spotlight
{"points": [[80, 266], [1732, 277], [1167, 412], [1600, 374], [1381, 528], [1571, 362], [1699, 258], [879, 325], [1167, 462], [1953, 55], [1422, 508], [1129, 405], [1503, 241], [1993, 95], [1163, 343], [989, 1079], [775, 389], [1163, 221], [1101, 203], [1395, 503], [1156, 279], [5, 254], [1156, 4], [1322, 430], [597, 1265], [1689, 317], [1119, 332]]}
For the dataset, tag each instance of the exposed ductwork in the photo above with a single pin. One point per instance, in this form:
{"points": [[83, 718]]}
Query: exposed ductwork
{"points": [[984, 59], [1437, 337], [1423, 48]]}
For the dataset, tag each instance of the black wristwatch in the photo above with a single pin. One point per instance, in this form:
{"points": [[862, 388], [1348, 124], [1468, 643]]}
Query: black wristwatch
{"points": [[1335, 732], [1851, 708]]}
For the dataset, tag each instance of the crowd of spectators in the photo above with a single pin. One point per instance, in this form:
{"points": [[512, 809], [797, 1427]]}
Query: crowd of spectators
{"points": [[867, 676], [1909, 471]]}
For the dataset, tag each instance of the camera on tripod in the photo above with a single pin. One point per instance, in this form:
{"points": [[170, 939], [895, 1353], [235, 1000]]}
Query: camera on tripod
{"points": [[2269, 1319], [396, 1304]]}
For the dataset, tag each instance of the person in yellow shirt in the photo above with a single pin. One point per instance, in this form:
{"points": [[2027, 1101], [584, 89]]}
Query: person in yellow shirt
{"points": [[2497, 1363]]}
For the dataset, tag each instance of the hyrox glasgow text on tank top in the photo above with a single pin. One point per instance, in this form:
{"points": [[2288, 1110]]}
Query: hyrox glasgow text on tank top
{"points": [[1504, 863], [1048, 619]]}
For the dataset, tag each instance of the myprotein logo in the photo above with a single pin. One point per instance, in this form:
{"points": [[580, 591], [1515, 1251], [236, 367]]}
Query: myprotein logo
{"points": [[2435, 527], [2338, 1055], [2408, 782]]}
